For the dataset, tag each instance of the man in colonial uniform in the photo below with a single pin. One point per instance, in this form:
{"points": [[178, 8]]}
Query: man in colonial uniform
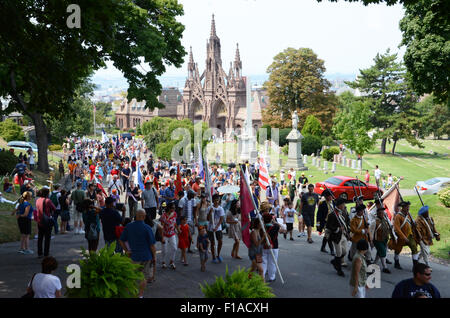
{"points": [[359, 228], [338, 224], [381, 237], [325, 208], [426, 228], [403, 229]]}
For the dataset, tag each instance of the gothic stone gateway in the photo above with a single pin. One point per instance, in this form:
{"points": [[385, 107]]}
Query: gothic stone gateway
{"points": [[212, 97]]}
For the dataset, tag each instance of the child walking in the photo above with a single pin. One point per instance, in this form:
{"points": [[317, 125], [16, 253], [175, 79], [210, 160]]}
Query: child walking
{"points": [[289, 218], [203, 246], [184, 239]]}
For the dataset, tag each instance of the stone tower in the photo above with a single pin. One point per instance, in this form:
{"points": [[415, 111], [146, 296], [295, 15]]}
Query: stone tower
{"points": [[215, 97]]}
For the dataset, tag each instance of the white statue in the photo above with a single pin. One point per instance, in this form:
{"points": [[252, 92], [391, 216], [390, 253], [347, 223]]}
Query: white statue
{"points": [[294, 120]]}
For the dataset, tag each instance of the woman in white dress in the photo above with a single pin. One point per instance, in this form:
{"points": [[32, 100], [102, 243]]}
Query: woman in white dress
{"points": [[234, 231]]}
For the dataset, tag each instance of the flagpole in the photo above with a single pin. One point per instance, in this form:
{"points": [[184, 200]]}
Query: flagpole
{"points": [[263, 226]]}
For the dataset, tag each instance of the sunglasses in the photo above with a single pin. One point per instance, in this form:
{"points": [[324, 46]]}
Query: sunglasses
{"points": [[427, 274]]}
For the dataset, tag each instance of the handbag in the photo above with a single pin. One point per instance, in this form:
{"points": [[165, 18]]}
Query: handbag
{"points": [[46, 221], [30, 294], [92, 234]]}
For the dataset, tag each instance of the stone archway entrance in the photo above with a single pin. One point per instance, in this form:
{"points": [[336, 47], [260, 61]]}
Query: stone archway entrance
{"points": [[219, 117], [197, 111]]}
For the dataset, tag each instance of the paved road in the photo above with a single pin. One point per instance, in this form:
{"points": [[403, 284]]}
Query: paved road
{"points": [[306, 271]]}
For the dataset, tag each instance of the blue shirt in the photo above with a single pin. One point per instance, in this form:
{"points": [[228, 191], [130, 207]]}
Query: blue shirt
{"points": [[170, 193], [23, 207], [140, 237], [407, 289]]}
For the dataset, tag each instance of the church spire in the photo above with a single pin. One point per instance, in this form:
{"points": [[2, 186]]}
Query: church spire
{"points": [[191, 58], [191, 65], [237, 62], [213, 28]]}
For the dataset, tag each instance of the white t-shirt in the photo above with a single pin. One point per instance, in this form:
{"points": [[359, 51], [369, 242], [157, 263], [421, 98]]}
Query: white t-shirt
{"points": [[377, 173], [45, 285], [288, 212], [218, 212]]}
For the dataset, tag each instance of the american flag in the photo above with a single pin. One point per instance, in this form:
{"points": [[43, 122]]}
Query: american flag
{"points": [[263, 174]]}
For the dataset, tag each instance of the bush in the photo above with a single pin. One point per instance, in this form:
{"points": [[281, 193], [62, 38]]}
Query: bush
{"points": [[328, 154], [285, 149], [106, 274], [310, 144], [284, 132], [312, 127], [10, 131], [240, 284], [444, 197], [327, 141], [55, 147], [9, 162]]}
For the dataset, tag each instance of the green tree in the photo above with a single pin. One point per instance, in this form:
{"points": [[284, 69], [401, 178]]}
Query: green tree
{"points": [[80, 120], [312, 127], [352, 124], [426, 35], [104, 114], [43, 61], [10, 131], [435, 118], [391, 100], [297, 82]]}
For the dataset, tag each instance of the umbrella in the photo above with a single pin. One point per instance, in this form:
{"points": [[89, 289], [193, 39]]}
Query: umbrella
{"points": [[228, 189]]}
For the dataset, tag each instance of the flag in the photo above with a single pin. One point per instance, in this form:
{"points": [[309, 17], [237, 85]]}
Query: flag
{"points": [[391, 199], [98, 180], [246, 207], [178, 185], [263, 180], [104, 136], [139, 178], [200, 170], [208, 183]]}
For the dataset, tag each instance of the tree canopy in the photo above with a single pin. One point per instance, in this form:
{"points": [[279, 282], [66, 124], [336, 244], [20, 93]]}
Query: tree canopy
{"points": [[43, 61], [297, 82], [426, 35]]}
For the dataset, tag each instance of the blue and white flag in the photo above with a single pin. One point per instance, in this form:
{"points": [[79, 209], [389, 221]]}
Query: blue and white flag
{"points": [[139, 178], [200, 170], [104, 136]]}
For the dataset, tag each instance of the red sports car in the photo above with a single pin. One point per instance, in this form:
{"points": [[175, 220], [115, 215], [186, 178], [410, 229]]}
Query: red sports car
{"points": [[342, 187]]}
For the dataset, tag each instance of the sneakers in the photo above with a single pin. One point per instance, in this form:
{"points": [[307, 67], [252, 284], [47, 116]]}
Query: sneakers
{"points": [[81, 232], [388, 261], [219, 258], [344, 264], [323, 250], [291, 239], [172, 266], [310, 241], [163, 265], [215, 261], [304, 234], [21, 251], [387, 271], [28, 252], [284, 235], [341, 273]]}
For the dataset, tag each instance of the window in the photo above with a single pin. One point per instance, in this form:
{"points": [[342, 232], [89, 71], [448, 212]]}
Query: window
{"points": [[165, 98], [334, 181], [432, 181]]}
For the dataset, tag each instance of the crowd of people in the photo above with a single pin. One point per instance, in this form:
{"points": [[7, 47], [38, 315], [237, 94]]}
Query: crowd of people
{"points": [[118, 188]]}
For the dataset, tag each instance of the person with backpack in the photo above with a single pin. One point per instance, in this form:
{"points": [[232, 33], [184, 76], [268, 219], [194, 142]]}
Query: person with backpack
{"points": [[64, 202], [91, 221], [54, 197], [115, 183], [110, 219], [77, 197], [21, 170], [45, 209]]}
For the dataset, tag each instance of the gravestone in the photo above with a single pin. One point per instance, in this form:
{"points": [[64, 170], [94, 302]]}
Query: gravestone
{"points": [[333, 169]]}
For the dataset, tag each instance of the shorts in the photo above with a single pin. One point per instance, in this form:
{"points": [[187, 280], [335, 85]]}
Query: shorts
{"points": [[65, 215], [146, 270], [219, 236], [24, 225], [308, 218], [77, 216], [289, 226], [191, 228], [203, 256]]}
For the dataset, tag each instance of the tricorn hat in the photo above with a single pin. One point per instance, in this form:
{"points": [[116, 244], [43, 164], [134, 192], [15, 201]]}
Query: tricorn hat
{"points": [[404, 203], [339, 201], [327, 192], [360, 207]]}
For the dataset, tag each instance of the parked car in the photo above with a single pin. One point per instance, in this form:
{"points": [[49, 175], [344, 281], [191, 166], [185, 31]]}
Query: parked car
{"points": [[23, 145], [128, 136], [342, 187], [433, 185]]}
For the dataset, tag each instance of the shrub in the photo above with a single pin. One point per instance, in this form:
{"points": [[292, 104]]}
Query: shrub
{"points": [[240, 284], [329, 153], [284, 132], [9, 162], [444, 197], [285, 149], [55, 147], [327, 141], [106, 274], [10, 131], [312, 127], [310, 144]]}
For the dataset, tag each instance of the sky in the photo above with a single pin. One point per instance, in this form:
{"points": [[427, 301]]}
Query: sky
{"points": [[347, 36]]}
